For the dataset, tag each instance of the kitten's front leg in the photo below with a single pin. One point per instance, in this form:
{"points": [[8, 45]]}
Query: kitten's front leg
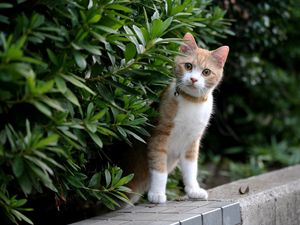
{"points": [[158, 175], [158, 182], [189, 167]]}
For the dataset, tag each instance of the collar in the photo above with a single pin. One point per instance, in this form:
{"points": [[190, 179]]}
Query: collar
{"points": [[189, 97]]}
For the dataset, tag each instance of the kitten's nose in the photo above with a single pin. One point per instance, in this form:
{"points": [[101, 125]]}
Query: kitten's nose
{"points": [[194, 80]]}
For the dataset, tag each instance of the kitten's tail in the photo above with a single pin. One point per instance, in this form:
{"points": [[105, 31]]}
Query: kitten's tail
{"points": [[134, 161], [140, 168]]}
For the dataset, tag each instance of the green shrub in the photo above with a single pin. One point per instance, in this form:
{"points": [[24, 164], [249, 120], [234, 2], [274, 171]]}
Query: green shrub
{"points": [[76, 76]]}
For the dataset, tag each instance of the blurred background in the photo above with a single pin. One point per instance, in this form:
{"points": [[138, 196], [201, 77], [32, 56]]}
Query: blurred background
{"points": [[256, 124]]}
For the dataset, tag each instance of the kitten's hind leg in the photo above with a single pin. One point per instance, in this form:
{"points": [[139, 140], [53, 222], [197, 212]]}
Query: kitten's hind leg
{"points": [[189, 167]]}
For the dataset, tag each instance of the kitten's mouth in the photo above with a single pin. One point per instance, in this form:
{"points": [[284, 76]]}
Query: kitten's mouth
{"points": [[192, 86]]}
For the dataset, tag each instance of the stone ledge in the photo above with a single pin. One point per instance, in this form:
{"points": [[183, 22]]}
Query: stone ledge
{"points": [[273, 198], [172, 213]]}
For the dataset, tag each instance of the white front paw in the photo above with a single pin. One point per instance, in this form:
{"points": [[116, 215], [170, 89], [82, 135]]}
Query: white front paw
{"points": [[157, 197], [196, 192]]}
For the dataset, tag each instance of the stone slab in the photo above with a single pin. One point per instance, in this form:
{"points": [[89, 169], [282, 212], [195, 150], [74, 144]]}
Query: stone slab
{"points": [[231, 214], [273, 198], [172, 213]]}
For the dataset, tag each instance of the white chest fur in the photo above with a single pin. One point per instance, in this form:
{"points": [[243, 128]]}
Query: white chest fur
{"points": [[189, 124]]}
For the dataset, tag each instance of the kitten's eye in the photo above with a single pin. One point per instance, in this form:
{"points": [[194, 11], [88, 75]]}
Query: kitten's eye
{"points": [[188, 66], [206, 72]]}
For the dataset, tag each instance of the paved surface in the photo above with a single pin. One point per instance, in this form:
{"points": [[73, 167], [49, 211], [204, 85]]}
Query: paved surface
{"points": [[272, 199], [172, 213]]}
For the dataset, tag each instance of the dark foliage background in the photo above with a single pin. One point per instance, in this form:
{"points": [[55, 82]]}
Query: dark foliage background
{"points": [[256, 127], [79, 76]]}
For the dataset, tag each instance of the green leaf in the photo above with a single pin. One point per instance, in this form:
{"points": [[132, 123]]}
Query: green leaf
{"points": [[106, 131], [6, 5], [124, 180], [120, 7], [18, 166], [96, 139], [71, 97], [117, 174], [122, 197], [69, 134], [76, 180], [61, 84], [145, 35], [25, 183], [41, 174], [28, 136], [92, 127], [75, 81], [124, 189], [43, 166], [43, 87], [42, 108], [95, 18], [99, 115], [156, 28], [50, 140], [137, 137], [139, 34], [104, 28], [31, 60], [52, 103], [121, 117], [130, 51], [21, 216], [95, 181], [132, 38], [58, 151], [45, 157], [90, 109], [166, 24], [146, 20], [52, 57], [80, 60], [37, 20], [107, 177], [4, 19], [109, 202], [122, 131], [92, 49], [18, 203], [136, 122]]}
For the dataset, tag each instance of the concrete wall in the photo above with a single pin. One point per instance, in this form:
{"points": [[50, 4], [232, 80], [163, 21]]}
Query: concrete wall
{"points": [[273, 198]]}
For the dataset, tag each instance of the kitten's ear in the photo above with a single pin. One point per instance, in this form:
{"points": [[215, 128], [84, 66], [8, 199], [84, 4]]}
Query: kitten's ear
{"points": [[220, 55], [189, 43]]}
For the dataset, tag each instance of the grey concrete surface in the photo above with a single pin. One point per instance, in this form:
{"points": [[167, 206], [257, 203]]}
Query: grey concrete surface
{"points": [[172, 213], [273, 198]]}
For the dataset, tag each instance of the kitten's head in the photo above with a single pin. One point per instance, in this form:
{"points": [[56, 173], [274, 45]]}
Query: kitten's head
{"points": [[199, 71]]}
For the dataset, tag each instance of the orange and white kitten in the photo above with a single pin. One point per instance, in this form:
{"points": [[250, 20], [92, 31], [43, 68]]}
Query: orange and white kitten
{"points": [[185, 110]]}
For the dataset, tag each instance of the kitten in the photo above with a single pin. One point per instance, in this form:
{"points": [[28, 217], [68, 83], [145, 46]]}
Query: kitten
{"points": [[185, 110]]}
